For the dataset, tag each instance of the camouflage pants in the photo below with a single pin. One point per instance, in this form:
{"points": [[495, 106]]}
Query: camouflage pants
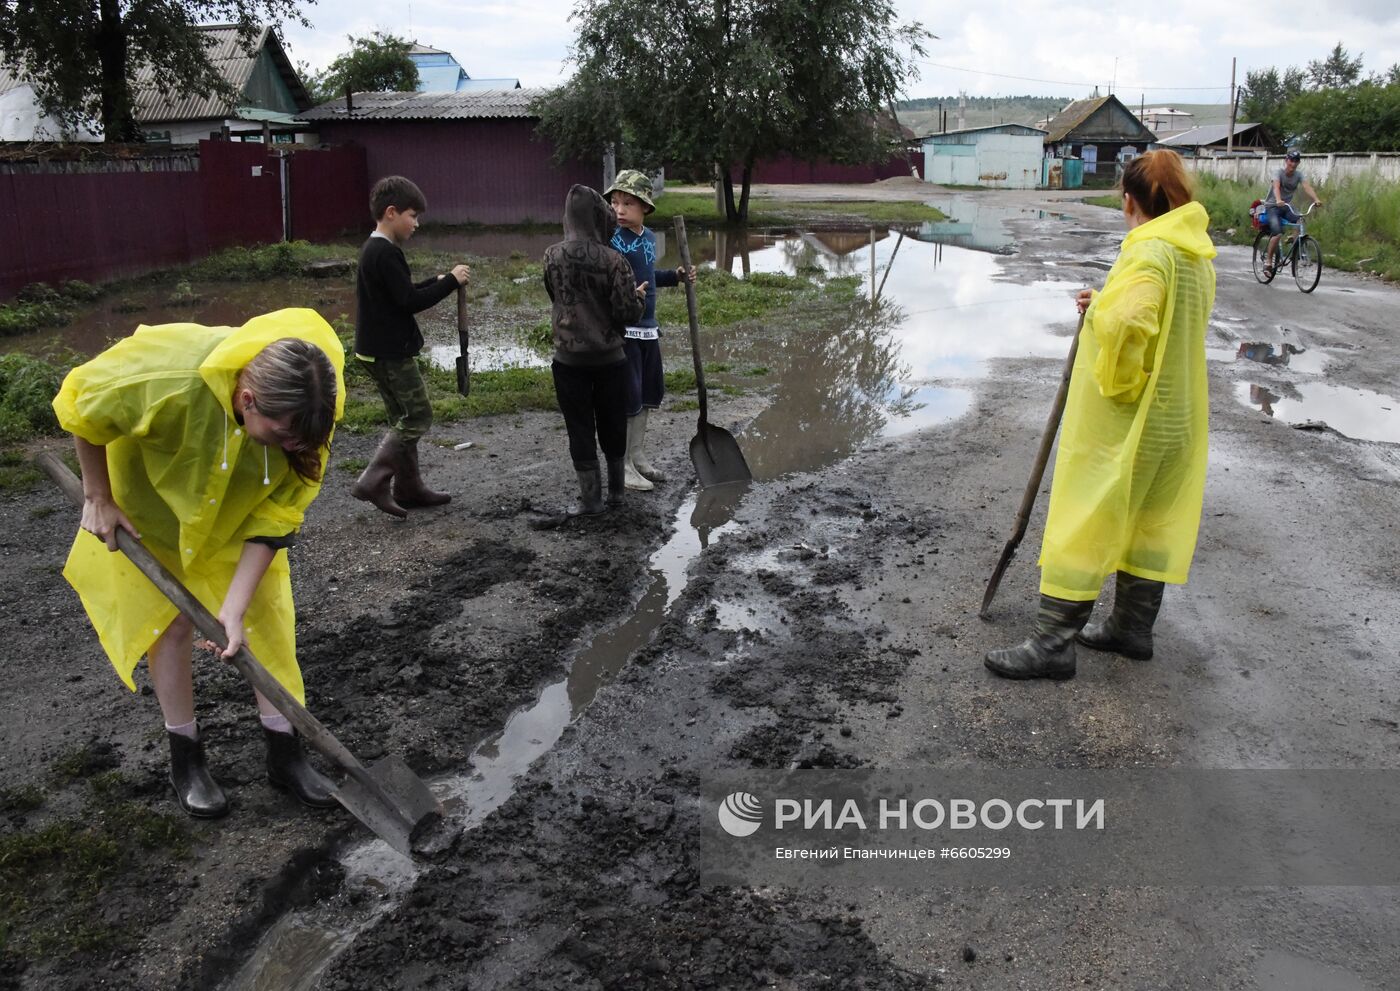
{"points": [[405, 395]]}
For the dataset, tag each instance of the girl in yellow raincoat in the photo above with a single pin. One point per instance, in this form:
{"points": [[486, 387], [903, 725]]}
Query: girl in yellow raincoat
{"points": [[208, 443], [1131, 468]]}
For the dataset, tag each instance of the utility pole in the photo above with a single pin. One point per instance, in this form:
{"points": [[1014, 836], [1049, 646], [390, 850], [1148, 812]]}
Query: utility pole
{"points": [[1234, 106]]}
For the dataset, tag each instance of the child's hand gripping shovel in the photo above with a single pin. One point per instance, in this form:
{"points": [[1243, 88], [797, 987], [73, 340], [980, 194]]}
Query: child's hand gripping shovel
{"points": [[713, 450], [388, 797]]}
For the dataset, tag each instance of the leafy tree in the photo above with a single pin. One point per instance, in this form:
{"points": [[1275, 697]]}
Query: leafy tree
{"points": [[378, 63], [1265, 93], [80, 55], [1361, 118], [724, 83], [1337, 71]]}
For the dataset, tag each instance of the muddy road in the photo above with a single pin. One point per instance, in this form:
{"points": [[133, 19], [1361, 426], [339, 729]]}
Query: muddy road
{"points": [[570, 690]]}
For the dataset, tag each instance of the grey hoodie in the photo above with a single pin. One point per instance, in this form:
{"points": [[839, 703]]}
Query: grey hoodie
{"points": [[590, 284]]}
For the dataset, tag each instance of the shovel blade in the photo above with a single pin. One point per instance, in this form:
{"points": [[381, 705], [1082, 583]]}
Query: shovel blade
{"points": [[464, 377], [408, 809], [717, 459]]}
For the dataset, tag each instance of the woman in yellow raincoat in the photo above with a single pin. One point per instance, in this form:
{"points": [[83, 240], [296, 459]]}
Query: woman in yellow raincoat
{"points": [[1131, 468], [208, 443]]}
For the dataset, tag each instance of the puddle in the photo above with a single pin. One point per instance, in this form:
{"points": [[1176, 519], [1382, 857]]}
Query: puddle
{"points": [[1309, 361], [1279, 970], [296, 950], [487, 357], [1355, 413]]}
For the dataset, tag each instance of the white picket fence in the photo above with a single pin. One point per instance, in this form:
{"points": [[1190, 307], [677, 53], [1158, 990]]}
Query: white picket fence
{"points": [[1316, 168]]}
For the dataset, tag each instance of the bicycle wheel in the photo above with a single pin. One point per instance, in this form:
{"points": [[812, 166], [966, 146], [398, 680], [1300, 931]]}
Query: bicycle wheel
{"points": [[1307, 263], [1261, 254]]}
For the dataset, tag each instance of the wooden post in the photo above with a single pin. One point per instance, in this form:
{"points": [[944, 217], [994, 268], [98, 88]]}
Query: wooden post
{"points": [[1234, 107]]}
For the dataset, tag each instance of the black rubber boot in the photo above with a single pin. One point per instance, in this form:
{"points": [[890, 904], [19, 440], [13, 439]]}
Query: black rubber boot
{"points": [[590, 491], [617, 483], [198, 793], [408, 488], [1049, 653], [1128, 629], [375, 482], [287, 769]]}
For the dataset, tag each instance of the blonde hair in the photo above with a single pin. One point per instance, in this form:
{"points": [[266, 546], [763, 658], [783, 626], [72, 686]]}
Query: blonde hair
{"points": [[1158, 182], [294, 378]]}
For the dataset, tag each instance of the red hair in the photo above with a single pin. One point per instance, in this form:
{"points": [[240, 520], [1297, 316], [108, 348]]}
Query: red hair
{"points": [[1158, 182]]}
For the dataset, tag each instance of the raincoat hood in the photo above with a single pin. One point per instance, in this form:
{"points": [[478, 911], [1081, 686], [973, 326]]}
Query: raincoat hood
{"points": [[587, 216], [221, 367], [1184, 228]]}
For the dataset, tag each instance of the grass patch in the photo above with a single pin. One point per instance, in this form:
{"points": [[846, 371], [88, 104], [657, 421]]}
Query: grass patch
{"points": [[679, 381], [685, 405], [1113, 201], [24, 798], [264, 261], [505, 390], [757, 371], [39, 305], [1359, 228], [763, 211], [352, 465], [27, 388]]}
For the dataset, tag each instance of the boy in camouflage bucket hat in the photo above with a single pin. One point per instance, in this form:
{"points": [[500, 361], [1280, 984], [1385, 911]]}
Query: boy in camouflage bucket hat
{"points": [[630, 196]]}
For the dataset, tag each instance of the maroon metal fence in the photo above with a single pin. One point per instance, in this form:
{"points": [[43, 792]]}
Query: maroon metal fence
{"points": [[109, 219]]}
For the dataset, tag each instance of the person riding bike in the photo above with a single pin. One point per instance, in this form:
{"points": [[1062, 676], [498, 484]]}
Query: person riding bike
{"points": [[1280, 203]]}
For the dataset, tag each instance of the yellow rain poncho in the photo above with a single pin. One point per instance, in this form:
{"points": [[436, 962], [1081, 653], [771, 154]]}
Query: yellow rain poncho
{"points": [[190, 480], [1131, 468]]}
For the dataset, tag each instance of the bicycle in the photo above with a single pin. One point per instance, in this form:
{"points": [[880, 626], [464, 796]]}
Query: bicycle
{"points": [[1299, 250]]}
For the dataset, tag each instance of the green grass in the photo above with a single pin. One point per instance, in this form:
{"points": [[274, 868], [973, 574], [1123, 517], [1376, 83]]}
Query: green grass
{"points": [[352, 465], [39, 305], [23, 798], [1358, 228], [699, 208], [1113, 201]]}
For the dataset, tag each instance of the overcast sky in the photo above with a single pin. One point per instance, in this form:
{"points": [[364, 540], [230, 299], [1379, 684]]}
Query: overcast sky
{"points": [[1178, 52]]}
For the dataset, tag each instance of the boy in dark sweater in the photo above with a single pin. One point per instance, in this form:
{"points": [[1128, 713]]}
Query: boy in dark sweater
{"points": [[387, 342], [595, 298]]}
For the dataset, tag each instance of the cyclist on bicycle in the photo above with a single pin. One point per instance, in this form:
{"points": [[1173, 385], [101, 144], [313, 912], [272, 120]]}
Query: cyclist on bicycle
{"points": [[1280, 203]]}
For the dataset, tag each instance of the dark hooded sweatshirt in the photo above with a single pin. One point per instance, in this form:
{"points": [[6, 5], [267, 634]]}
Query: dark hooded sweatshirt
{"points": [[591, 285]]}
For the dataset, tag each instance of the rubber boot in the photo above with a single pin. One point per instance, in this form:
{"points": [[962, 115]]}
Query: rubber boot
{"points": [[196, 791], [1049, 653], [408, 489], [638, 454], [375, 482], [636, 434], [287, 769], [590, 489], [1128, 629], [617, 483]]}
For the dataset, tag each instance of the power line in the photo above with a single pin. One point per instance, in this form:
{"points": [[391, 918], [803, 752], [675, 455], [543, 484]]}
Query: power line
{"points": [[1063, 82]]}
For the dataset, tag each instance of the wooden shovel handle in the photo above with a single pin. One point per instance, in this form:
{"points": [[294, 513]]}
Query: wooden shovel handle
{"points": [[683, 247], [308, 725]]}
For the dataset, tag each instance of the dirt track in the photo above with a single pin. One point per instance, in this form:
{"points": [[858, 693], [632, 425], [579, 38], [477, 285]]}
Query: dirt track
{"points": [[832, 624]]}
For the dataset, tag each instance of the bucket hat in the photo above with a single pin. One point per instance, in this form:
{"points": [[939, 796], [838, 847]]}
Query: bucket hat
{"points": [[633, 183]]}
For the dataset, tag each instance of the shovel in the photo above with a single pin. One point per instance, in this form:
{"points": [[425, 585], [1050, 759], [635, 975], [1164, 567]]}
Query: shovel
{"points": [[464, 372], [713, 450], [388, 797], [1047, 441]]}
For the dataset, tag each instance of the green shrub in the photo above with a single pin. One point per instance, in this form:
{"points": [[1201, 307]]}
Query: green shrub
{"points": [[27, 388]]}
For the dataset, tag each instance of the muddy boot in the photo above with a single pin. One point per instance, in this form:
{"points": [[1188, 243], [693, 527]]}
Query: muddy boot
{"points": [[408, 489], [636, 433], [617, 483], [1128, 629], [374, 483], [287, 769], [198, 793], [637, 454], [590, 489], [1049, 653]]}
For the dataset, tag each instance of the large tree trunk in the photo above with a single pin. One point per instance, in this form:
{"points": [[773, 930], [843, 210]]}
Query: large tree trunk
{"points": [[118, 124], [747, 181], [731, 212]]}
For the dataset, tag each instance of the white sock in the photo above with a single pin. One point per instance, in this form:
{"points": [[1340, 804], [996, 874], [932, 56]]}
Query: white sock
{"points": [[189, 729], [276, 723]]}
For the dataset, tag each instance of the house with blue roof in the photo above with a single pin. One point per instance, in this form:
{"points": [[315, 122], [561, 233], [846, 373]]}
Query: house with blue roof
{"points": [[439, 72]]}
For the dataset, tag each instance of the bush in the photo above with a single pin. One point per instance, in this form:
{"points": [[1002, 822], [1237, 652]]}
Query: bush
{"points": [[27, 388]]}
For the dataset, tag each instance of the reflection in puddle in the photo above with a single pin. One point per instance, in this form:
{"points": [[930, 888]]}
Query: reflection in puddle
{"points": [[1355, 413], [487, 357], [1283, 355]]}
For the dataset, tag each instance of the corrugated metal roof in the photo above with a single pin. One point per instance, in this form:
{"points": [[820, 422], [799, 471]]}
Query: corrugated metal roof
{"points": [[154, 105], [985, 127], [1207, 135], [464, 105]]}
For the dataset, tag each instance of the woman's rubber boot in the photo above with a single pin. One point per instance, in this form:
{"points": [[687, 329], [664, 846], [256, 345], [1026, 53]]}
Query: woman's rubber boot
{"points": [[1128, 629], [590, 491], [196, 791], [408, 489], [636, 434], [288, 769], [375, 482], [638, 455], [1049, 653], [617, 483]]}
